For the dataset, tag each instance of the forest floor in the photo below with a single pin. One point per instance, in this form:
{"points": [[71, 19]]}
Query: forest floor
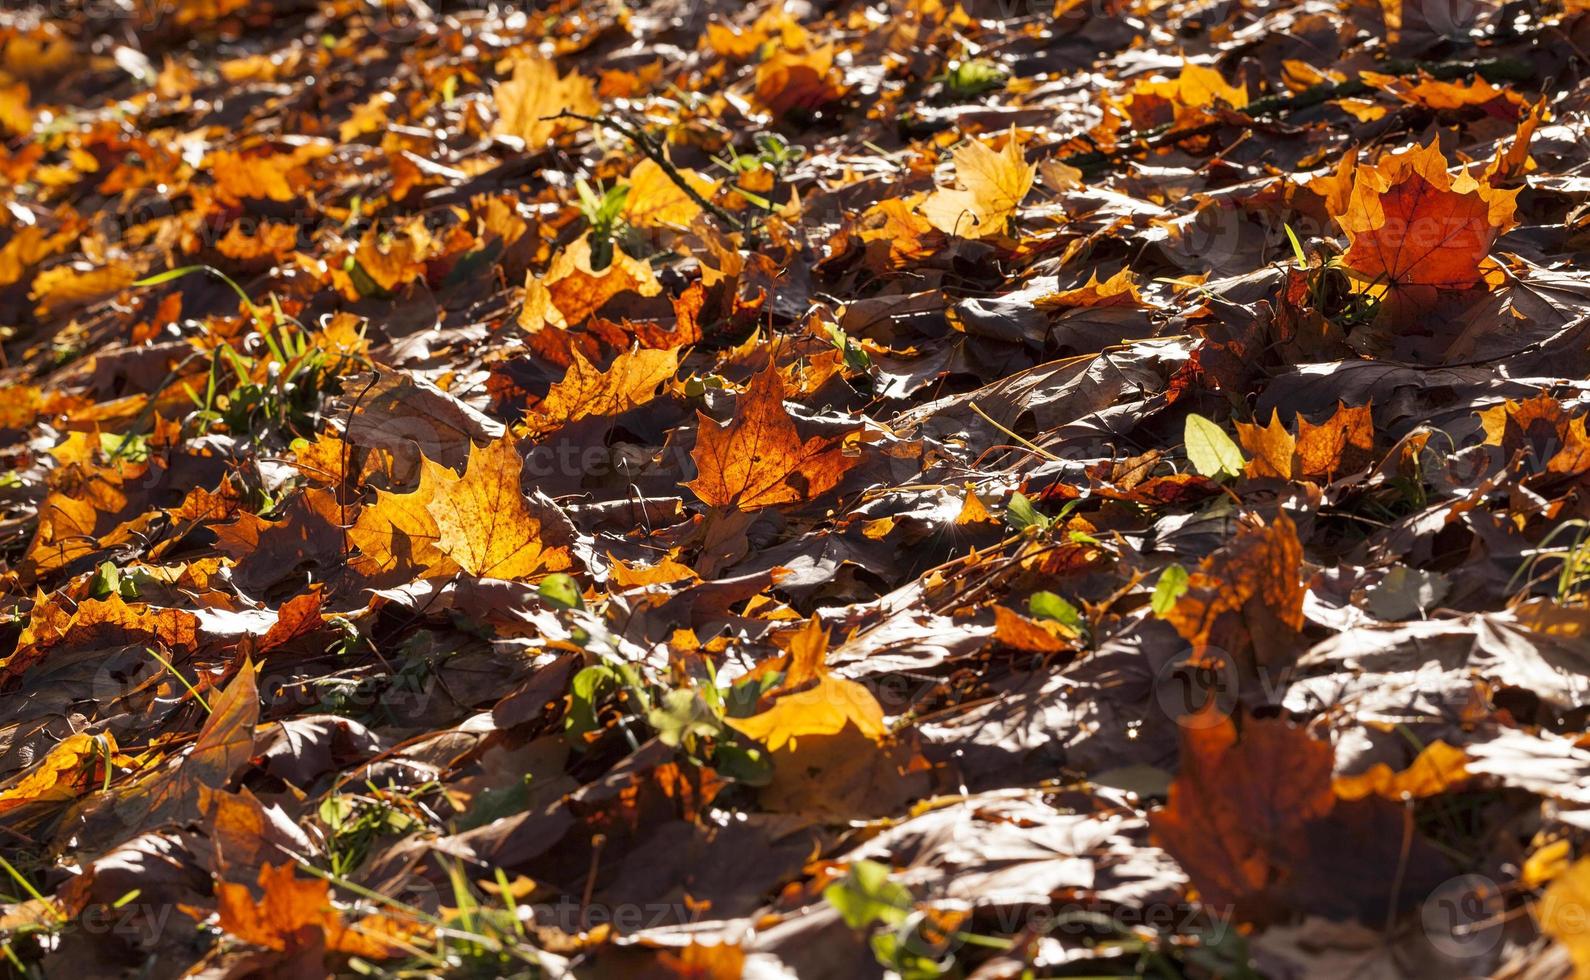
{"points": [[700, 489]]}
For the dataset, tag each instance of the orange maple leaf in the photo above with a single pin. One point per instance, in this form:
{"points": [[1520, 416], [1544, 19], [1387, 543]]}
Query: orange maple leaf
{"points": [[571, 290], [1238, 809], [292, 910], [1411, 223], [1341, 444], [758, 459], [1246, 597]]}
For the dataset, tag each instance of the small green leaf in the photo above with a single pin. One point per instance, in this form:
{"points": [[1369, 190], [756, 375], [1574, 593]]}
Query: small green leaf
{"points": [[1210, 450], [1021, 514], [974, 77], [1172, 583], [682, 717], [866, 895], [106, 581], [562, 591], [1047, 605], [585, 695]]}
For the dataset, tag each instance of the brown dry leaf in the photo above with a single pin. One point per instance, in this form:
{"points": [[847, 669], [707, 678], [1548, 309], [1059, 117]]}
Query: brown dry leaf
{"points": [[1437, 94], [306, 540], [1513, 161], [1342, 444], [895, 223], [272, 240], [790, 80], [56, 624], [758, 459], [992, 186], [1247, 598], [225, 744], [1239, 808], [1258, 571], [1186, 100], [665, 571], [26, 249], [1118, 290], [483, 521]]}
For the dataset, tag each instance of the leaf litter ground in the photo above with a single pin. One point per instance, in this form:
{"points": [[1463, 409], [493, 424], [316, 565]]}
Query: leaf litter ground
{"points": [[715, 490]]}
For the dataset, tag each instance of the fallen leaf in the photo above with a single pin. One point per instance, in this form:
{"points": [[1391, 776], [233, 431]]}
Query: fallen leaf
{"points": [[758, 459], [992, 186], [484, 523]]}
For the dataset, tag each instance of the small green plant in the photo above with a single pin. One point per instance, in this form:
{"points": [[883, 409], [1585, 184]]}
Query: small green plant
{"points": [[34, 930], [773, 152], [1330, 287], [279, 391], [603, 211], [1570, 580], [916, 941], [973, 77], [353, 823], [469, 938]]}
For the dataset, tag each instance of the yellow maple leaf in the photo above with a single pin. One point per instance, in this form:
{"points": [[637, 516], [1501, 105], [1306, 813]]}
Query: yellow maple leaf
{"points": [[66, 286], [826, 707], [992, 185], [1562, 914], [60, 775], [16, 115], [656, 200], [484, 523], [534, 93], [588, 391], [396, 532]]}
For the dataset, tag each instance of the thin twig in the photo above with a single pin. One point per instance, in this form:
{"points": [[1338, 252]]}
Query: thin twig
{"points": [[654, 153]]}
